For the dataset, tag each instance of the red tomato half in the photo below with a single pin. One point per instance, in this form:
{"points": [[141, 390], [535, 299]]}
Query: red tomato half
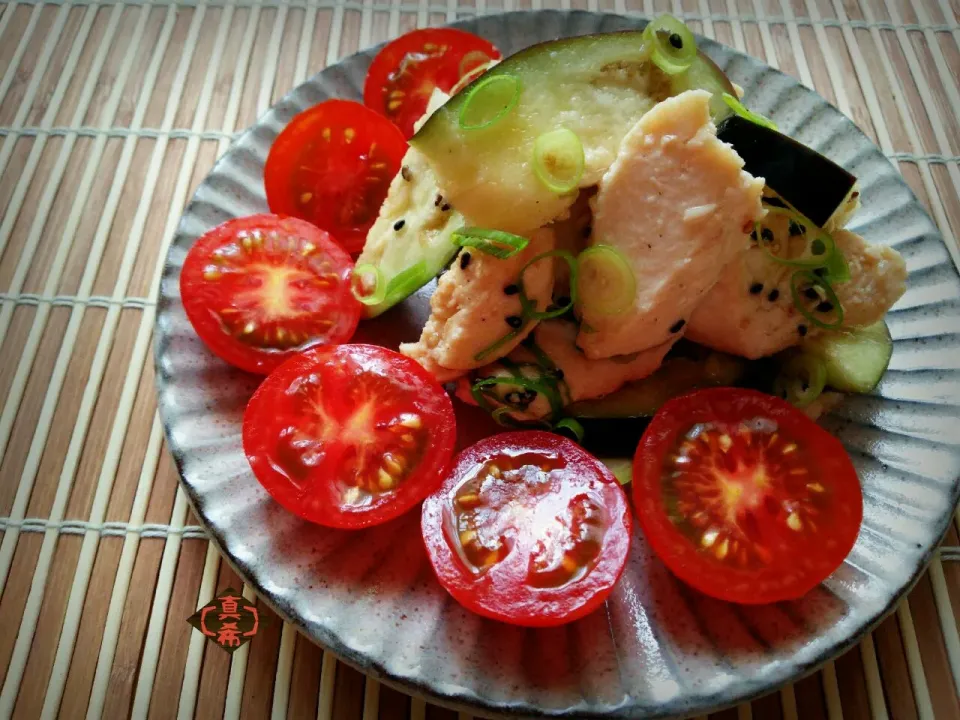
{"points": [[743, 496], [528, 528], [349, 436], [260, 289], [404, 74], [332, 165]]}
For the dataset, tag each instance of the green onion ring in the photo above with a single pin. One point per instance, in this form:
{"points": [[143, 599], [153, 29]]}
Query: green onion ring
{"points": [[740, 109], [623, 289], [537, 384], [379, 289], [490, 349], [573, 426], [564, 148], [489, 101], [406, 281], [838, 271], [491, 242], [810, 280], [665, 55], [800, 371], [529, 307]]}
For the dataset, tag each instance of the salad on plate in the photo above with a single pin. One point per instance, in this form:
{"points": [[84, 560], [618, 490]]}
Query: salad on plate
{"points": [[646, 284]]}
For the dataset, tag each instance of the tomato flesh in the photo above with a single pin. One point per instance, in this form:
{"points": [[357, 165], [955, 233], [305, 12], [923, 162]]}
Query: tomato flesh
{"points": [[404, 74], [528, 528], [350, 436], [744, 497], [260, 289], [332, 166]]}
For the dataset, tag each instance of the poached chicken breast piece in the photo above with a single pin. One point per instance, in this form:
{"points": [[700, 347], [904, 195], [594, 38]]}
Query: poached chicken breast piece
{"points": [[750, 311], [678, 206], [474, 306], [581, 377]]}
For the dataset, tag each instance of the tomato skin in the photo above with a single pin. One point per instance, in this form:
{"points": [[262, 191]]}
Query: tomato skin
{"points": [[796, 562], [505, 590], [328, 313], [404, 73], [305, 445], [332, 166]]}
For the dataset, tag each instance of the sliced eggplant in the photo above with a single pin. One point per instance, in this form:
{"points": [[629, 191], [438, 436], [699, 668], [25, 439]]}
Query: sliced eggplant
{"points": [[677, 375], [812, 183], [481, 142]]}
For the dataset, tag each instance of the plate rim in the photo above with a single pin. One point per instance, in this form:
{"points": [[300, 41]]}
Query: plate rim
{"points": [[475, 704]]}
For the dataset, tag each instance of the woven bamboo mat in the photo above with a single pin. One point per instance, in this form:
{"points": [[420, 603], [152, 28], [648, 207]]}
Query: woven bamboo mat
{"points": [[110, 115]]}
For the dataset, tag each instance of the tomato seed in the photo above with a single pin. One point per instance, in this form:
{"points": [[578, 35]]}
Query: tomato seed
{"points": [[793, 522], [789, 448]]}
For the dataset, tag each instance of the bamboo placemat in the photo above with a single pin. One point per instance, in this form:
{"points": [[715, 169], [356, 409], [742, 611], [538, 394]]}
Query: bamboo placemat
{"points": [[110, 115]]}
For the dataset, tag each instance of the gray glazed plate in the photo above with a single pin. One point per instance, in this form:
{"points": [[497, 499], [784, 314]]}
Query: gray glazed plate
{"points": [[658, 648]]}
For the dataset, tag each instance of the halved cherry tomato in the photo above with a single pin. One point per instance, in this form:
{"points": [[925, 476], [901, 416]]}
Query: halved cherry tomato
{"points": [[528, 528], [743, 496], [332, 165], [350, 436], [404, 74], [262, 288]]}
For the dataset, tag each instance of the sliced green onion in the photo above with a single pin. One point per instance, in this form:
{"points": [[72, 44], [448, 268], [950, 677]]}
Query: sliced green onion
{"points": [[540, 385], [543, 360], [801, 380], [837, 269], [408, 280], [358, 285], [740, 109], [489, 101], [574, 427], [672, 46], [818, 250], [493, 242], [803, 279], [607, 283], [558, 160], [490, 349], [530, 307]]}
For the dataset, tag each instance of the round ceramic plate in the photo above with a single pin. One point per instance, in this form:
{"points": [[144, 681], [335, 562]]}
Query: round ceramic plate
{"points": [[658, 648]]}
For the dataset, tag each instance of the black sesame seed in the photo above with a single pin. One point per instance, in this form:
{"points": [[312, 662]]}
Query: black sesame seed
{"points": [[563, 301], [802, 329], [678, 325], [767, 235], [676, 41], [855, 194], [756, 288], [753, 236], [398, 225], [445, 207], [824, 306], [511, 289], [436, 203], [558, 373], [406, 174], [811, 294], [586, 231], [820, 272], [773, 295], [514, 321], [464, 260]]}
